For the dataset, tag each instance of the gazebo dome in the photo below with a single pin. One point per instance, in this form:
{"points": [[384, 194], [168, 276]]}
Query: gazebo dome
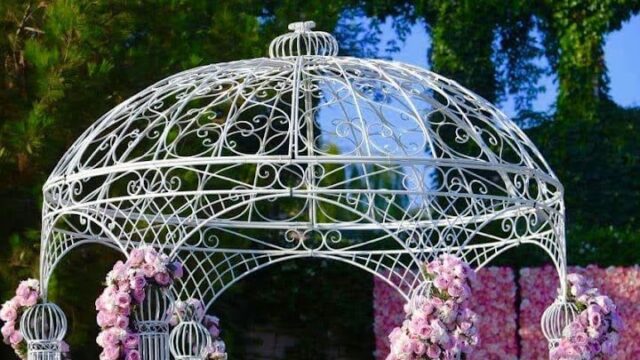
{"points": [[234, 166]]}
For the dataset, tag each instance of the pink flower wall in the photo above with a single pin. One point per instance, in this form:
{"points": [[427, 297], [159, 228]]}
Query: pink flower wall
{"points": [[494, 301]]}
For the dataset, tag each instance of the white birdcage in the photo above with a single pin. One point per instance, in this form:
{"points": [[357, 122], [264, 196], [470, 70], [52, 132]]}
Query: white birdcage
{"points": [[190, 340], [43, 327], [235, 166], [556, 318], [151, 322]]}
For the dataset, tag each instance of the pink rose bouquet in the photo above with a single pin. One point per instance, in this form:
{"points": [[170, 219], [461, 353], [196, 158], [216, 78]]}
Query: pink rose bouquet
{"points": [[125, 289], [27, 295], [440, 326], [594, 334]]}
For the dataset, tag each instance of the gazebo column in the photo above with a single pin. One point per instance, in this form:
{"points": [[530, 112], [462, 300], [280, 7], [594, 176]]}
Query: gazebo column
{"points": [[151, 321], [43, 327]]}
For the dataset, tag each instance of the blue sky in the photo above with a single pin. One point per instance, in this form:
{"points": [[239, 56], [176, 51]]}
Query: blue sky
{"points": [[622, 56]]}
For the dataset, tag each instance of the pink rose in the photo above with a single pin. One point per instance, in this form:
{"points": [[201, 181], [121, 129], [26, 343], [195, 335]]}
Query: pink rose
{"points": [[9, 311], [456, 289], [106, 319], [133, 355], [138, 295], [100, 304], [197, 307], [150, 256], [15, 338], [122, 322], [119, 271], [131, 341], [441, 282], [465, 326], [433, 267], [581, 338], [433, 351], [418, 347], [8, 329], [110, 353], [110, 338], [138, 282], [424, 331], [123, 299], [595, 319], [136, 257], [162, 278], [23, 289], [148, 270], [30, 300]]}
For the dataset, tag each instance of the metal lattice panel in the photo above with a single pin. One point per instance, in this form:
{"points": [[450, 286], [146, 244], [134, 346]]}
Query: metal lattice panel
{"points": [[235, 166]]}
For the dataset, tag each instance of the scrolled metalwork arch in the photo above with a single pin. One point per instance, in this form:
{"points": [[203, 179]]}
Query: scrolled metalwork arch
{"points": [[68, 239]]}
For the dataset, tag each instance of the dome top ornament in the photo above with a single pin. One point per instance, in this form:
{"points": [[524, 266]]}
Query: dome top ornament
{"points": [[303, 41]]}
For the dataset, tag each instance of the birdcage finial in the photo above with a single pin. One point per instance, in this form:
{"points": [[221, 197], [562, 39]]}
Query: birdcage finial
{"points": [[302, 26], [303, 41]]}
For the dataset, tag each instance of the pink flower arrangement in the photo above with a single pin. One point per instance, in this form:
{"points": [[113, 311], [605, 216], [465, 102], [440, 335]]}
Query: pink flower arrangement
{"points": [[194, 309], [594, 334], [538, 288], [27, 295], [440, 326], [493, 296], [125, 289]]}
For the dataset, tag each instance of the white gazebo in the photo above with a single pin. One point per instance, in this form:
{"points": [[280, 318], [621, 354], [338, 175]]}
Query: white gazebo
{"points": [[235, 166]]}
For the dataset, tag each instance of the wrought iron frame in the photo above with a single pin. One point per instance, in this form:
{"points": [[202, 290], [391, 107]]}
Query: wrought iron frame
{"points": [[236, 166]]}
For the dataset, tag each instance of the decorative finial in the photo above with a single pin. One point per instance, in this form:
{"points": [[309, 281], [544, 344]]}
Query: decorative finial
{"points": [[302, 26], [303, 41]]}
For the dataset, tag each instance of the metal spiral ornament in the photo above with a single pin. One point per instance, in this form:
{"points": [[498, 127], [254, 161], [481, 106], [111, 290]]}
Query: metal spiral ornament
{"points": [[43, 327]]}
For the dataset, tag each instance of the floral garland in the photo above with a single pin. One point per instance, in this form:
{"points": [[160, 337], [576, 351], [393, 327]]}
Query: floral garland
{"points": [[594, 334], [27, 295], [125, 289], [180, 310], [440, 326]]}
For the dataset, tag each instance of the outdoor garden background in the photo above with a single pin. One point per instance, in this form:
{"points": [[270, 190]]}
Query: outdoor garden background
{"points": [[557, 67]]}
